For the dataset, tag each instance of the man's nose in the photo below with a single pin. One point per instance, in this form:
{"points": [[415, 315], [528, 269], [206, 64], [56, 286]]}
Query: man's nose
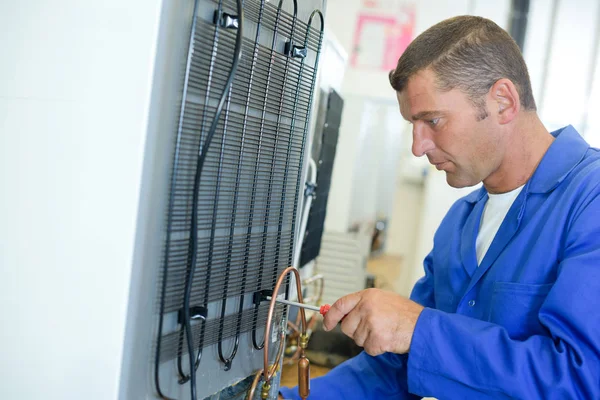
{"points": [[422, 141]]}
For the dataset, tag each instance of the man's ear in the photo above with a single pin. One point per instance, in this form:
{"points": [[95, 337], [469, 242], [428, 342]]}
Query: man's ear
{"points": [[505, 95]]}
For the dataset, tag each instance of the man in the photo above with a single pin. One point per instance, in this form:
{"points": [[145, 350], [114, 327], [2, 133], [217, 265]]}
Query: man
{"points": [[509, 306]]}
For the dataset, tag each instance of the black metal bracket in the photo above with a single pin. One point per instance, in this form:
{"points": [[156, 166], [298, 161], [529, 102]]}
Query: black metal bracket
{"points": [[226, 20], [196, 313], [260, 296], [291, 50]]}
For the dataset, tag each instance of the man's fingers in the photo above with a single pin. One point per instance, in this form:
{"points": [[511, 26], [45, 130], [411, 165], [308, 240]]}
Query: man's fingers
{"points": [[361, 334], [339, 309], [349, 324]]}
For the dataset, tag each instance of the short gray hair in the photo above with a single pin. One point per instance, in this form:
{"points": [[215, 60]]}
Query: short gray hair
{"points": [[468, 53]]}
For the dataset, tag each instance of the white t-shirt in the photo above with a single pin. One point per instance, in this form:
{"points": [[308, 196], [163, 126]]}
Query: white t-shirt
{"points": [[494, 212]]}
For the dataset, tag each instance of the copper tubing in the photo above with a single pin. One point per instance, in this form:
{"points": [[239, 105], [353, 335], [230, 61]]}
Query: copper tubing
{"points": [[266, 373], [294, 326], [318, 278], [272, 369], [315, 279], [309, 328], [303, 377], [250, 394], [275, 365], [269, 372]]}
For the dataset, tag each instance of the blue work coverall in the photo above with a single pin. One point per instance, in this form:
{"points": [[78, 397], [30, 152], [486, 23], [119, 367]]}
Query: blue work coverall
{"points": [[525, 323]]}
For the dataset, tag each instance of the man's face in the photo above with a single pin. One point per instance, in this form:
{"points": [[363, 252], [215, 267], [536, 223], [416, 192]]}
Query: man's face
{"points": [[448, 129]]}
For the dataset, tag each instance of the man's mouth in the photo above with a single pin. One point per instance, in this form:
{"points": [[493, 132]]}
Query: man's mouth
{"points": [[439, 165]]}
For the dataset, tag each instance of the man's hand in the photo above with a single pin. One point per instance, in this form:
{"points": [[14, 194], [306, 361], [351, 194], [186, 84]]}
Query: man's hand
{"points": [[377, 320]]}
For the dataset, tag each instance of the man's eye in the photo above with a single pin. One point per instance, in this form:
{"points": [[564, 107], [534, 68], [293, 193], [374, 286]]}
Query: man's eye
{"points": [[433, 122]]}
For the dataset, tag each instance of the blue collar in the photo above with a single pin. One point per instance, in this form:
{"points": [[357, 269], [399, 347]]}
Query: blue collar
{"points": [[565, 152], [476, 195]]}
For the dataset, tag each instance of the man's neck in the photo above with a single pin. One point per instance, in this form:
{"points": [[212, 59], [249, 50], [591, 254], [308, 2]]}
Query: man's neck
{"points": [[526, 145]]}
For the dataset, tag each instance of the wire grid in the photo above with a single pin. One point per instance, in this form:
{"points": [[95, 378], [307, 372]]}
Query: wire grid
{"points": [[250, 184]]}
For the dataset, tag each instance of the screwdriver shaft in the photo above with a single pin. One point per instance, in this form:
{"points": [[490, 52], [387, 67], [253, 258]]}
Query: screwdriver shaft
{"points": [[293, 303]]}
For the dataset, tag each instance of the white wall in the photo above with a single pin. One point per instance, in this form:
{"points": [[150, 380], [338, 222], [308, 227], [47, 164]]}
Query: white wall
{"points": [[375, 167], [569, 64], [74, 96], [339, 202], [366, 144], [535, 49], [340, 18], [563, 73], [592, 131], [408, 201]]}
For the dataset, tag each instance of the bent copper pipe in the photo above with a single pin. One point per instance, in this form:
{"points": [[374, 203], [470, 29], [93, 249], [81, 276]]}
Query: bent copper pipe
{"points": [[266, 373]]}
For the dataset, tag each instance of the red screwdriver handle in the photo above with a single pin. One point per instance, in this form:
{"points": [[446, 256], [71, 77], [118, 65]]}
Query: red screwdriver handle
{"points": [[324, 308]]}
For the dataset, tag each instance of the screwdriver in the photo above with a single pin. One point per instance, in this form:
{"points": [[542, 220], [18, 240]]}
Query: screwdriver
{"points": [[322, 310]]}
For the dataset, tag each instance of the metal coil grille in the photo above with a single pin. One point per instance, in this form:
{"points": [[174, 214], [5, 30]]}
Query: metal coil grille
{"points": [[211, 335], [250, 182]]}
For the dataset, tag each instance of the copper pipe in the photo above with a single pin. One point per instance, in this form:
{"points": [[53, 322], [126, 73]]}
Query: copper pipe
{"points": [[310, 327], [267, 371], [272, 369], [267, 374], [314, 279], [303, 377], [275, 365], [294, 326], [250, 394]]}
